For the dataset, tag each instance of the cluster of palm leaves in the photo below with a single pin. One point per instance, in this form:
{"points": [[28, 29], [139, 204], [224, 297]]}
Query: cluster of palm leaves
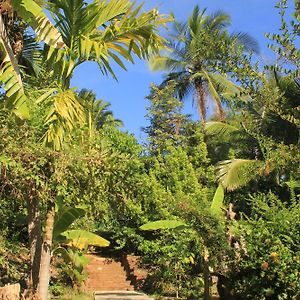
{"points": [[196, 52], [273, 122], [101, 31]]}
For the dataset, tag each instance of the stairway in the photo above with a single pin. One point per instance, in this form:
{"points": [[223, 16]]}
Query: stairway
{"points": [[106, 274], [107, 280]]}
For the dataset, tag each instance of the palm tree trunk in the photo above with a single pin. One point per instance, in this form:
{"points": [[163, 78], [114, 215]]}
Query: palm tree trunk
{"points": [[8, 55], [35, 238], [200, 98], [46, 253]]}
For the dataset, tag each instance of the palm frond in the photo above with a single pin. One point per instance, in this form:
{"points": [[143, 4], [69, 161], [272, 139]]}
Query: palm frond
{"points": [[249, 43], [184, 86], [10, 77], [159, 63], [103, 31], [63, 111], [236, 173], [30, 59], [220, 128], [218, 20], [34, 15]]}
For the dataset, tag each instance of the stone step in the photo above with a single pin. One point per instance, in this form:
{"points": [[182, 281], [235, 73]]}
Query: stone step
{"points": [[120, 295], [105, 274]]}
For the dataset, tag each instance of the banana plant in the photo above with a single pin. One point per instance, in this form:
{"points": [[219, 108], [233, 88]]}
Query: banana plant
{"points": [[69, 243]]}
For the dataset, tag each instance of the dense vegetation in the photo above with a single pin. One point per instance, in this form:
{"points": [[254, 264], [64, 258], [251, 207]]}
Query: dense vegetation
{"points": [[225, 192]]}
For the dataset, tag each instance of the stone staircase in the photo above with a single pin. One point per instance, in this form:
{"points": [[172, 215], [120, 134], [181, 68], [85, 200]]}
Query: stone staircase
{"points": [[121, 295], [106, 274], [107, 279]]}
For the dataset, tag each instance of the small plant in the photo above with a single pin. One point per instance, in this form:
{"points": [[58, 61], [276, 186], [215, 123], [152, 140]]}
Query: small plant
{"points": [[71, 243]]}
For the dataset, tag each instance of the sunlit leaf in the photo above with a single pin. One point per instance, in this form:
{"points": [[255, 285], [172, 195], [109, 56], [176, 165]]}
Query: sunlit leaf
{"points": [[163, 224]]}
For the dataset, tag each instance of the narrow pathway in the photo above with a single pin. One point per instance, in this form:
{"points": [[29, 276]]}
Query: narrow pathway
{"points": [[107, 280], [105, 274]]}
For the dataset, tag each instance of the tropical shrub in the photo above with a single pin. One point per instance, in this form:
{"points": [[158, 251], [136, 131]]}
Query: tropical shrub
{"points": [[269, 265]]}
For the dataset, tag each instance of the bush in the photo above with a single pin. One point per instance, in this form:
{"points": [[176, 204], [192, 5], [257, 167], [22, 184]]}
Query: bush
{"points": [[270, 266]]}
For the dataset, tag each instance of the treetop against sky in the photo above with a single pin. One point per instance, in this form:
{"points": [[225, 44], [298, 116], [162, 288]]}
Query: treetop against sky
{"points": [[127, 96]]}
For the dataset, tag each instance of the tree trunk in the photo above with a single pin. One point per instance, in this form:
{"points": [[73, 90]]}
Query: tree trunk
{"points": [[46, 253], [35, 238], [206, 275], [8, 55], [200, 95]]}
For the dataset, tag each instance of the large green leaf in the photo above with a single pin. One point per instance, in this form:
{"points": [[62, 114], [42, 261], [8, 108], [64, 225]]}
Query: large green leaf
{"points": [[217, 203], [81, 239], [220, 128], [10, 77], [34, 15], [235, 173], [163, 224], [65, 217]]}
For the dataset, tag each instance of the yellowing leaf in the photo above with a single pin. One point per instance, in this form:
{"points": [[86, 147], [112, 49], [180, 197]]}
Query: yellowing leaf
{"points": [[81, 239]]}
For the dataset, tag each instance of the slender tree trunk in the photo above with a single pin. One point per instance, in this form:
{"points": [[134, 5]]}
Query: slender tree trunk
{"points": [[206, 275], [9, 56], [35, 238], [200, 98], [46, 253]]}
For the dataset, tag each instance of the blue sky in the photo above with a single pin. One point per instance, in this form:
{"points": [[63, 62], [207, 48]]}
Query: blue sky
{"points": [[127, 96]]}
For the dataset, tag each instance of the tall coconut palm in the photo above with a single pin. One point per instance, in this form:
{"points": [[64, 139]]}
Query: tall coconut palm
{"points": [[197, 50]]}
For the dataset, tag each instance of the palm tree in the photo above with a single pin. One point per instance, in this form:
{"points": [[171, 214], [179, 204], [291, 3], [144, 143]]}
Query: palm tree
{"points": [[197, 51], [100, 31], [97, 112]]}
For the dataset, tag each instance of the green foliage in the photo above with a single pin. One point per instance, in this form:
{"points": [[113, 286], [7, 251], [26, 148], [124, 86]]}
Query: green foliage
{"points": [[72, 265], [32, 13], [174, 260], [102, 31], [167, 123], [269, 268], [284, 44], [14, 263], [103, 181]]}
